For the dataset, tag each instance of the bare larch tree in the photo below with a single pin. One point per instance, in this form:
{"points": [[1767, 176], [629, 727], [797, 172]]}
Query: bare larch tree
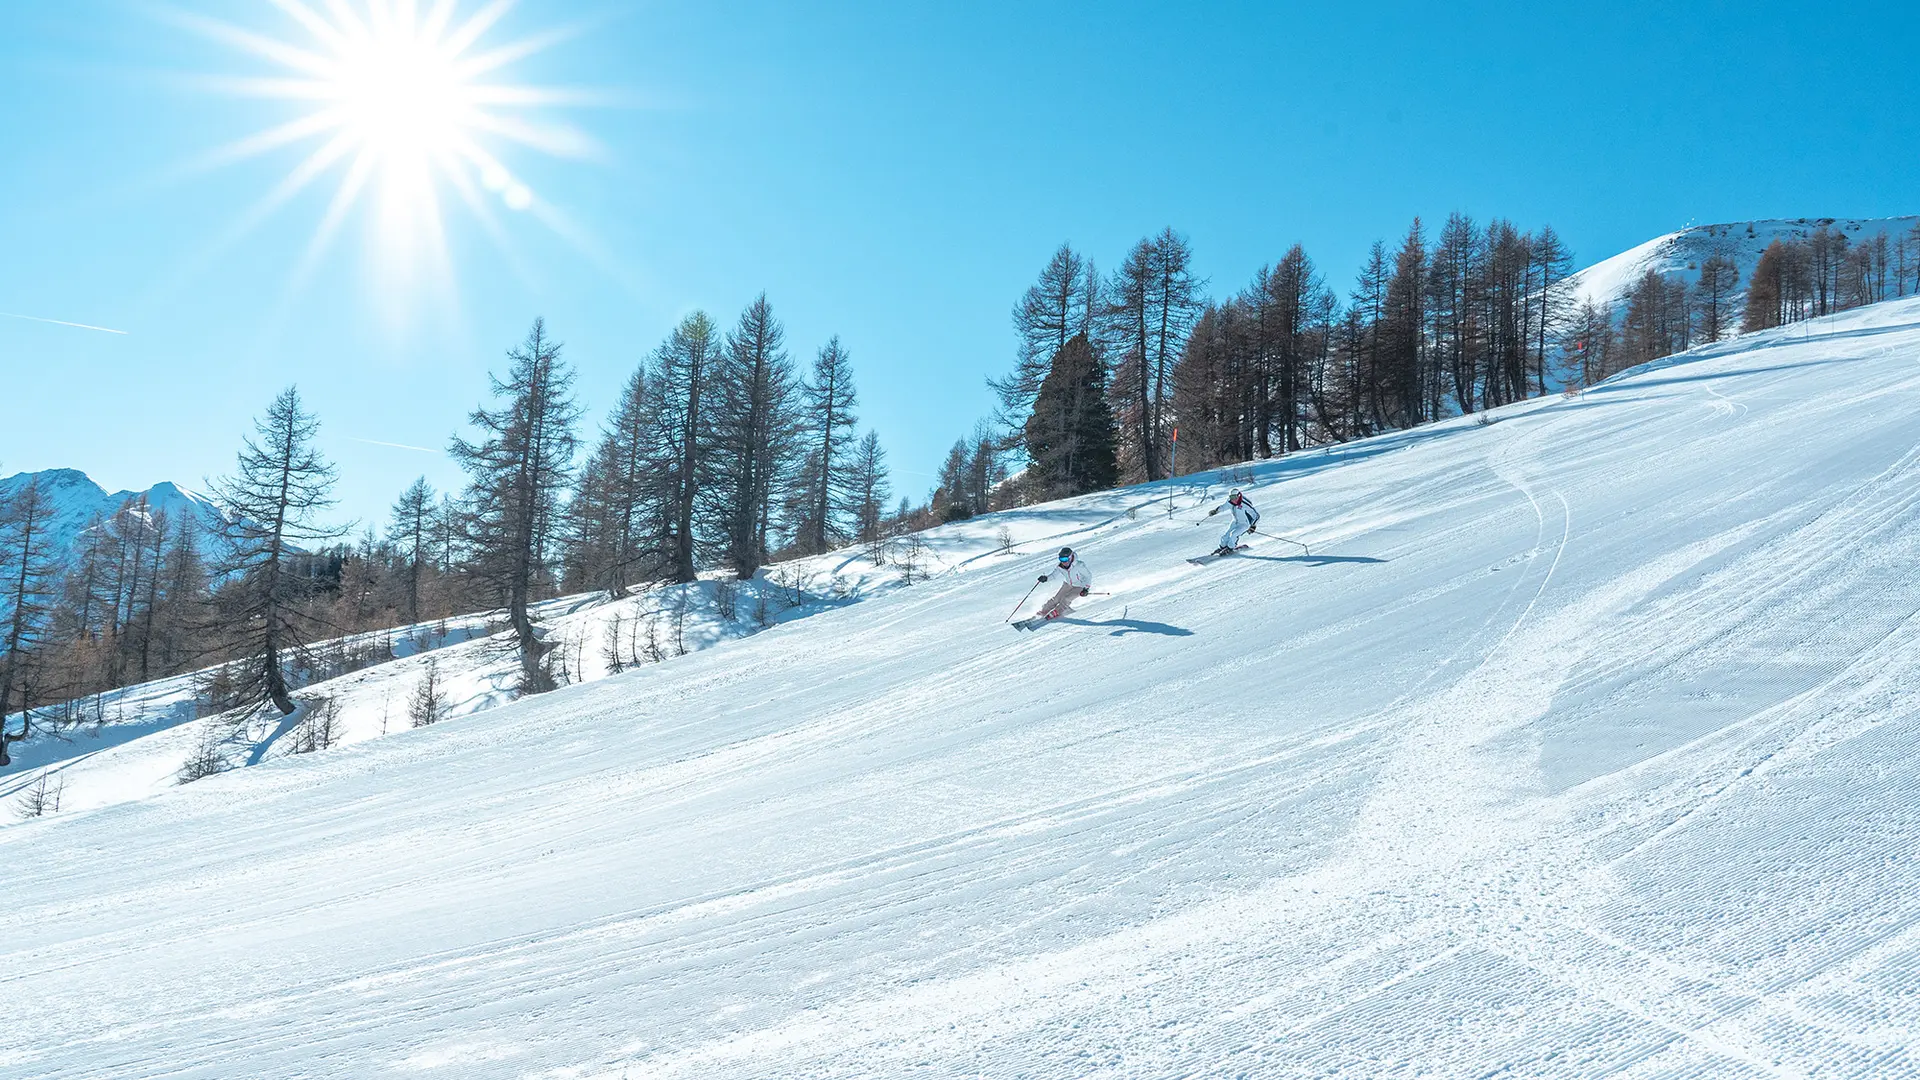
{"points": [[517, 468], [272, 505]]}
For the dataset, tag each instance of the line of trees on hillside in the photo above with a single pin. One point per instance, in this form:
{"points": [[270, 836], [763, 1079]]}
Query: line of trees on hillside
{"points": [[721, 453], [1826, 272], [1110, 367], [1134, 375]]}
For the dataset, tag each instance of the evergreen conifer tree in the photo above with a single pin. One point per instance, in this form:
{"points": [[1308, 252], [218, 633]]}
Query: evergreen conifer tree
{"points": [[686, 436], [1070, 436], [757, 432], [829, 400]]}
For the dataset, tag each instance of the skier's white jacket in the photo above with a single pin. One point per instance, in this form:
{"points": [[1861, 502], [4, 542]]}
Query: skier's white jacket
{"points": [[1076, 576], [1244, 515]]}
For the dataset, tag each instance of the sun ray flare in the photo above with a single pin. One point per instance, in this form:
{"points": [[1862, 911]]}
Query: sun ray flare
{"points": [[463, 37], [273, 138], [486, 63], [408, 93], [259, 45], [322, 30]]}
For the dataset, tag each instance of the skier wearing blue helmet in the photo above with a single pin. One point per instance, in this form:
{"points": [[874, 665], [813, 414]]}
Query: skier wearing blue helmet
{"points": [[1075, 579]]}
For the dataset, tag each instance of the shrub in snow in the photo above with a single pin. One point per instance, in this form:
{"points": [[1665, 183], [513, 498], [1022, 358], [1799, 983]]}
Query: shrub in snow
{"points": [[653, 653], [428, 704], [206, 759], [610, 654], [319, 729], [42, 798], [793, 584], [912, 559]]}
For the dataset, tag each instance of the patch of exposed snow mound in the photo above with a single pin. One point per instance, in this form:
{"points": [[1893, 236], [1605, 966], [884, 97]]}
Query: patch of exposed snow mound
{"points": [[1679, 254], [1581, 747]]}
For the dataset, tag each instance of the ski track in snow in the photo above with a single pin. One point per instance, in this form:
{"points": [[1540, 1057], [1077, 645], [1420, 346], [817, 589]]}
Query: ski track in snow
{"points": [[1581, 747]]}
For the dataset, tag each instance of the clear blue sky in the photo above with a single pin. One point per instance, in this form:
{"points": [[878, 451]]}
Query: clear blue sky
{"points": [[895, 173]]}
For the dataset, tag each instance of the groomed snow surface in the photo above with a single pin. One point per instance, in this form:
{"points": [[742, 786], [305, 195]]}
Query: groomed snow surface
{"points": [[1582, 745], [137, 742]]}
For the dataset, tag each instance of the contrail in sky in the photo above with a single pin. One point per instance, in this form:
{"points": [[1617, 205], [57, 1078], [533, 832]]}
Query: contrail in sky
{"points": [[63, 322], [395, 445]]}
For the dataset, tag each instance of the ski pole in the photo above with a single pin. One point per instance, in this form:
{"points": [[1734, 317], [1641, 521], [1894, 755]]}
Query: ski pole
{"points": [[1295, 543], [1022, 603]]}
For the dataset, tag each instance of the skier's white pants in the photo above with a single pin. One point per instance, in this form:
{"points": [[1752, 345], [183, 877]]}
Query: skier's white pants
{"points": [[1062, 600], [1231, 537]]}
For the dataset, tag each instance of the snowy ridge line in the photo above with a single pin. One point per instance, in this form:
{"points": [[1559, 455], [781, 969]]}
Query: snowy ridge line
{"points": [[1678, 255]]}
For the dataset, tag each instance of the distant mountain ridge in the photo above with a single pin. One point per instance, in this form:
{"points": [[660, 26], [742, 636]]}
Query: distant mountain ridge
{"points": [[78, 503]]}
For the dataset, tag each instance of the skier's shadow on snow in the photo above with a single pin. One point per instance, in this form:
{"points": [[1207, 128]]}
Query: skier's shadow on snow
{"points": [[1135, 626], [1311, 560]]}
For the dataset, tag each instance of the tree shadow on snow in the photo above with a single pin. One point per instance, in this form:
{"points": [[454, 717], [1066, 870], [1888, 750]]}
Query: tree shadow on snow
{"points": [[1641, 382], [1134, 626], [258, 752], [1311, 560]]}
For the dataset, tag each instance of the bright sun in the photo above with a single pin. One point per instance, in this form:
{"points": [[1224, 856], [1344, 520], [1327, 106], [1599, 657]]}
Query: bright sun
{"points": [[404, 103], [399, 93]]}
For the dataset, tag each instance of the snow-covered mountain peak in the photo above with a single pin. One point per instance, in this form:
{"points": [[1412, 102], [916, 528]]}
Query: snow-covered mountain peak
{"points": [[64, 486], [78, 502]]}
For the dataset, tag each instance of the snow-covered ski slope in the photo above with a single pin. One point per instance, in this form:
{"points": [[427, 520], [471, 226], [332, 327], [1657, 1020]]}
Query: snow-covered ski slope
{"points": [[136, 742], [1582, 746]]}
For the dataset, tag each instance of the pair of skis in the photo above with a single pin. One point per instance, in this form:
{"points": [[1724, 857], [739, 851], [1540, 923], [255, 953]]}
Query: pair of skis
{"points": [[1221, 553], [1037, 621], [1216, 553]]}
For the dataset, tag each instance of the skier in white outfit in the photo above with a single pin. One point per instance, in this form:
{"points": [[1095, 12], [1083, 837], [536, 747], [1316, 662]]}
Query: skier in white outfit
{"points": [[1245, 519], [1075, 579]]}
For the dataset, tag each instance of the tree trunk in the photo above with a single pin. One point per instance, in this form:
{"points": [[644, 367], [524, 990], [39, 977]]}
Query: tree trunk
{"points": [[689, 461], [16, 631], [824, 503]]}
